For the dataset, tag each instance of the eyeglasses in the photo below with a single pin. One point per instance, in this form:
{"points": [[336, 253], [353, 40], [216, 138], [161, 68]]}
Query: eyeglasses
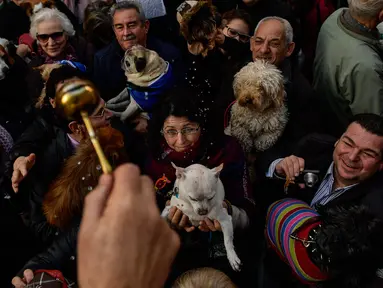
{"points": [[56, 36], [100, 112], [171, 133], [244, 38]]}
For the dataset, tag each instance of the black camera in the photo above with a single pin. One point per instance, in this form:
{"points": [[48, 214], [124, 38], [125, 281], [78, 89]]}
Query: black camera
{"points": [[308, 177]]}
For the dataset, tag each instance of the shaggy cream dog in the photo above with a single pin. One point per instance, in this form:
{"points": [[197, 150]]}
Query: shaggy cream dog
{"points": [[259, 115]]}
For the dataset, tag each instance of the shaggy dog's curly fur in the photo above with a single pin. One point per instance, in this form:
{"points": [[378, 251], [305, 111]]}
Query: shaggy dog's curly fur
{"points": [[259, 116], [351, 238], [66, 196]]}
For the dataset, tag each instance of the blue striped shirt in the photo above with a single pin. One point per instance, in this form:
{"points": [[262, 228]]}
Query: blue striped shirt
{"points": [[324, 194]]}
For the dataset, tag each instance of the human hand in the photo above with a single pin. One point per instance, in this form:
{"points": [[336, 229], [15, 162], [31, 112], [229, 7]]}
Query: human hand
{"points": [[141, 124], [290, 167], [122, 234], [23, 50], [208, 225], [179, 220], [17, 282], [21, 167]]}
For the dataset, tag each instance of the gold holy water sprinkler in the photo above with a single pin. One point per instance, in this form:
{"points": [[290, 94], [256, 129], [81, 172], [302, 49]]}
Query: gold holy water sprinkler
{"points": [[75, 101]]}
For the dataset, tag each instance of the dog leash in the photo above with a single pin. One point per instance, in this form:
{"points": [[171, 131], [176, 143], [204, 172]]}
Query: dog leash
{"points": [[226, 116]]}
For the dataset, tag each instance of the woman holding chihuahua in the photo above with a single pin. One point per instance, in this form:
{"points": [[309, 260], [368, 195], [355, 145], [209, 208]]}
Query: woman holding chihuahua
{"points": [[180, 134]]}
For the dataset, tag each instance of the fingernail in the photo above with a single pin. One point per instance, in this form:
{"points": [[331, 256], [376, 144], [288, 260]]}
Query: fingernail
{"points": [[296, 174]]}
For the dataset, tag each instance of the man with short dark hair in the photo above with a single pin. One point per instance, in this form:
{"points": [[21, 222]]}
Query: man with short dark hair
{"points": [[352, 175], [349, 175], [130, 27]]}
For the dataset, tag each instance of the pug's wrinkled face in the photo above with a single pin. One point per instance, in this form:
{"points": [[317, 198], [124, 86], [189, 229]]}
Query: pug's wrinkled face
{"points": [[135, 60]]}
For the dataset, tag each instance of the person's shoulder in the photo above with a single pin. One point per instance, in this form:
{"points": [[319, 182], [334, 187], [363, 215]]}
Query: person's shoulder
{"points": [[165, 49], [107, 51]]}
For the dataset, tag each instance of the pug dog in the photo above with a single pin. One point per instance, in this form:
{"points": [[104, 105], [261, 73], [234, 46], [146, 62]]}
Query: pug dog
{"points": [[148, 77], [199, 194]]}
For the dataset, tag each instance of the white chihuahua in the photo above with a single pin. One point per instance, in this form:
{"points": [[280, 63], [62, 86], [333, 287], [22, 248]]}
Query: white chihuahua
{"points": [[199, 194]]}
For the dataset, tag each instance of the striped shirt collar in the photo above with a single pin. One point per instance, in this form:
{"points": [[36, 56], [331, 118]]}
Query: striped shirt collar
{"points": [[325, 191]]}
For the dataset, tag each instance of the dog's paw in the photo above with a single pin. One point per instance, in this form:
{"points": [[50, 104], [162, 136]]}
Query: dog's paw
{"points": [[234, 261]]}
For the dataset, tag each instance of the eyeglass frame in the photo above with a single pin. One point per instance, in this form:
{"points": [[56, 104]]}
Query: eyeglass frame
{"points": [[195, 130], [103, 108], [248, 37], [50, 36]]}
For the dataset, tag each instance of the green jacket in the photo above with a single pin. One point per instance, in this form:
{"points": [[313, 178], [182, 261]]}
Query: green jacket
{"points": [[348, 71]]}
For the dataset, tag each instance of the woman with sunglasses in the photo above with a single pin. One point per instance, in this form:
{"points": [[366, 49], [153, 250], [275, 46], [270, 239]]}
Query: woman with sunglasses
{"points": [[179, 133], [55, 38]]}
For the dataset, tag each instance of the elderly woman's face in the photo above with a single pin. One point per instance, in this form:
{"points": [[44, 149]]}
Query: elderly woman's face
{"points": [[180, 133], [51, 37]]}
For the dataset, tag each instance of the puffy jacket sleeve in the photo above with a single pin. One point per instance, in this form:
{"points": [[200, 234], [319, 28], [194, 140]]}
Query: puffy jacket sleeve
{"points": [[31, 141], [58, 255]]}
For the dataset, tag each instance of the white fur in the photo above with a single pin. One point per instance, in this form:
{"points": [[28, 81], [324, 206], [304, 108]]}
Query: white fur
{"points": [[3, 65], [200, 183]]}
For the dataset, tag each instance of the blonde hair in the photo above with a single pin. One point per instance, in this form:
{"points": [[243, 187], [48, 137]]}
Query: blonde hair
{"points": [[49, 14], [203, 278]]}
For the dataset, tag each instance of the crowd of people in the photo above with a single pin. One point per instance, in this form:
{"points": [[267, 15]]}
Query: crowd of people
{"points": [[286, 94]]}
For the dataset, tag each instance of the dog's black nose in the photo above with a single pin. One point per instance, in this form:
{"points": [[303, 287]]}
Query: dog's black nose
{"points": [[140, 64], [202, 212], [4, 69]]}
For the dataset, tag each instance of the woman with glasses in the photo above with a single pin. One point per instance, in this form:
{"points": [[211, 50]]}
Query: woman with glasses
{"points": [[234, 34], [180, 134]]}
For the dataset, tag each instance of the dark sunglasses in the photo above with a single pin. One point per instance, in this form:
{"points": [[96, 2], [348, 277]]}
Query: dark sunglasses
{"points": [[57, 36], [234, 33]]}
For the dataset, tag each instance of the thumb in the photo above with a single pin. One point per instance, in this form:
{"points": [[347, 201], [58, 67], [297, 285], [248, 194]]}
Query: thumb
{"points": [[95, 202], [28, 275], [31, 159]]}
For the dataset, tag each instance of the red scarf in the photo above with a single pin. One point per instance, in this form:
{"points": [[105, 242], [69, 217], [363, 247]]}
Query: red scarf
{"points": [[69, 54]]}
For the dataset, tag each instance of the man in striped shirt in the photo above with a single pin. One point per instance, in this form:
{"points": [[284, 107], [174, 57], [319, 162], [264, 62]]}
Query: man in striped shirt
{"points": [[357, 157]]}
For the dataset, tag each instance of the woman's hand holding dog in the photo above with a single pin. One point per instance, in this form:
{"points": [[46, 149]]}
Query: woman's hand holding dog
{"points": [[208, 225], [290, 167], [179, 220]]}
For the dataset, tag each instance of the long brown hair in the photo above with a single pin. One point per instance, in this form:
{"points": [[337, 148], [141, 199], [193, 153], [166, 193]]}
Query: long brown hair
{"points": [[79, 176]]}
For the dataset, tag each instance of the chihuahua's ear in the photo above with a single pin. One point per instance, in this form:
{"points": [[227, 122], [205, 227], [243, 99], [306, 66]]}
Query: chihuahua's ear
{"points": [[180, 172], [217, 170]]}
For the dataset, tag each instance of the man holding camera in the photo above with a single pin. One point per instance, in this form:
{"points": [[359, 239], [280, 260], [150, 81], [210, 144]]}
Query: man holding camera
{"points": [[351, 173]]}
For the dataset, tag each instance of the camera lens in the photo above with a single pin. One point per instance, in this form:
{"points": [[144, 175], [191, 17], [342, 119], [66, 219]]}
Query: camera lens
{"points": [[310, 179]]}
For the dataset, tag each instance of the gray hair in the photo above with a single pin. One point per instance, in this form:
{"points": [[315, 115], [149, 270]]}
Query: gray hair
{"points": [[365, 9], [51, 14], [128, 4], [289, 34]]}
